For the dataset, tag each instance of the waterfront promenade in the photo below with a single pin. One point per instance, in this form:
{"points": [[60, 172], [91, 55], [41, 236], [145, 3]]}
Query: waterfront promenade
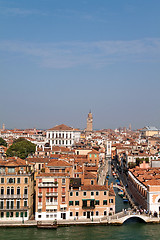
{"points": [[116, 219]]}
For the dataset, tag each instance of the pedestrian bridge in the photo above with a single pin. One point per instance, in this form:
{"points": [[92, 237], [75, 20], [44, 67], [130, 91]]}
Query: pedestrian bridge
{"points": [[119, 187], [121, 217]]}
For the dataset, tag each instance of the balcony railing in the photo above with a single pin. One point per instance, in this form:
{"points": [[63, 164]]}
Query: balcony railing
{"points": [[51, 203], [48, 184], [52, 194], [14, 208], [25, 195], [88, 207], [13, 196]]}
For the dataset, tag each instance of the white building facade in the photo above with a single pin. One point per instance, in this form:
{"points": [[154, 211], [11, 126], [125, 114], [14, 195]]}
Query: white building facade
{"points": [[62, 135]]}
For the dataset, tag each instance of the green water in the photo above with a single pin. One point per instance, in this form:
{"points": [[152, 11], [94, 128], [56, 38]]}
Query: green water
{"points": [[127, 231]]}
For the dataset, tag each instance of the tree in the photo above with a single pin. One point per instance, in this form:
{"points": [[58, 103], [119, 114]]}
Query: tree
{"points": [[21, 149], [3, 142]]}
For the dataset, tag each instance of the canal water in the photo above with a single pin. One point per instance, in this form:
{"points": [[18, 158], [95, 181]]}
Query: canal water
{"points": [[119, 200], [128, 231]]}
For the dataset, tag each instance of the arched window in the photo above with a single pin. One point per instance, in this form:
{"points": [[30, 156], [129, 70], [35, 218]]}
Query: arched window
{"points": [[8, 190], [18, 191], [2, 190], [12, 190], [25, 191]]}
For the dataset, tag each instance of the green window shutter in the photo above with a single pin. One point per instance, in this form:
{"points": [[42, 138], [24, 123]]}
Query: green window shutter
{"points": [[7, 214], [17, 214], [25, 214], [21, 214]]}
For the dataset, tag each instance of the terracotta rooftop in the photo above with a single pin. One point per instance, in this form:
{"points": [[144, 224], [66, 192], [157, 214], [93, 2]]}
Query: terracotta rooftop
{"points": [[61, 127], [58, 163]]}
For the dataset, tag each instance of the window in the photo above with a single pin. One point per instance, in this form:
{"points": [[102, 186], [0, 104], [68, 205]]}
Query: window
{"points": [[18, 180], [110, 200], [12, 191], [105, 213], [71, 194], [71, 214], [95, 155], [2, 214], [18, 204], [97, 193], [7, 214], [2, 190], [97, 213], [92, 182], [10, 180], [76, 203], [63, 180], [90, 155], [84, 193], [25, 203], [105, 193], [1, 204], [70, 203], [8, 204], [76, 214], [39, 216], [18, 191], [25, 214], [111, 209], [77, 194], [12, 204], [8, 191], [84, 214], [11, 170], [25, 191], [26, 180], [92, 213], [97, 202], [104, 202], [2, 180], [17, 214], [92, 193]]}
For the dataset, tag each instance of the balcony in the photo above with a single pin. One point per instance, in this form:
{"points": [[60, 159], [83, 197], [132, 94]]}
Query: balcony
{"points": [[51, 203], [51, 194], [25, 195], [48, 184], [14, 209], [88, 207], [10, 196]]}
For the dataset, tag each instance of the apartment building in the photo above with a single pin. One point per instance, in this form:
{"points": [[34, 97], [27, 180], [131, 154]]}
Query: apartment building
{"points": [[16, 190], [91, 201], [52, 191], [52, 196]]}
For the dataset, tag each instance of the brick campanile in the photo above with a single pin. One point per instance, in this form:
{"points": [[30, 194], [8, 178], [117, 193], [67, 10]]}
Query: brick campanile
{"points": [[89, 122]]}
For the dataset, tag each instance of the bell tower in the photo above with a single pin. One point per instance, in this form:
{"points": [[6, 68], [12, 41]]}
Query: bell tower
{"points": [[89, 122]]}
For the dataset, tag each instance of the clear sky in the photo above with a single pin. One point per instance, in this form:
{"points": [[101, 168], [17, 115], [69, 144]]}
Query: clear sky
{"points": [[61, 58]]}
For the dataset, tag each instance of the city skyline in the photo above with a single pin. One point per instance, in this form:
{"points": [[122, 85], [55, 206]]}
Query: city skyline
{"points": [[60, 59]]}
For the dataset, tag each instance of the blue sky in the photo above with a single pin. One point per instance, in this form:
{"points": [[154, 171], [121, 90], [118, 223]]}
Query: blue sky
{"points": [[61, 58]]}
